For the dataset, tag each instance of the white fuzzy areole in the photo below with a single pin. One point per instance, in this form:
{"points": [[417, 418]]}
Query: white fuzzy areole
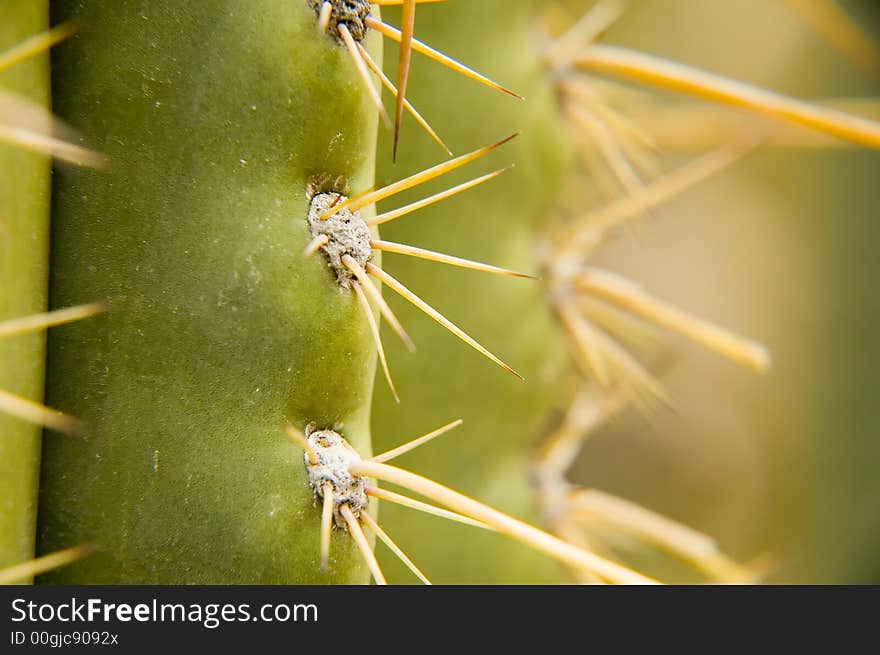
{"points": [[349, 235], [351, 13], [334, 456]]}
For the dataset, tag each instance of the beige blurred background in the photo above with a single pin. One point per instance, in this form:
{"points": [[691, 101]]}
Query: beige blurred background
{"points": [[782, 248]]}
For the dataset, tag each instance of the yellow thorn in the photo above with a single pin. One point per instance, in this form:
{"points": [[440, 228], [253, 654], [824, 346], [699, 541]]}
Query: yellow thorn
{"points": [[623, 171], [678, 539], [692, 127], [628, 369], [391, 3], [363, 545], [27, 570], [415, 443], [831, 22], [371, 290], [406, 103], [357, 202], [374, 329], [33, 127], [16, 326], [408, 25], [627, 295], [32, 412], [631, 138], [625, 327], [412, 503], [388, 541], [300, 440], [669, 75], [430, 255], [437, 56], [569, 531], [514, 528], [315, 245], [596, 170], [398, 288], [324, 17], [36, 44], [326, 523], [47, 145], [583, 335], [425, 202], [592, 25], [585, 414], [635, 518]]}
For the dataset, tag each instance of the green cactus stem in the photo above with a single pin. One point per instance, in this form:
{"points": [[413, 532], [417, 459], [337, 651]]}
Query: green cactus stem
{"points": [[24, 241], [218, 116]]}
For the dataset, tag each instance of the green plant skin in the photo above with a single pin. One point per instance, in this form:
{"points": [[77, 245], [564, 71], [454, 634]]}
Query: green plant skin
{"points": [[215, 115], [498, 223], [24, 267]]}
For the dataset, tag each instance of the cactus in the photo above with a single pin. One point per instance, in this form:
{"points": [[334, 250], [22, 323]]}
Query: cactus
{"points": [[217, 328], [24, 221], [495, 454], [232, 239]]}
